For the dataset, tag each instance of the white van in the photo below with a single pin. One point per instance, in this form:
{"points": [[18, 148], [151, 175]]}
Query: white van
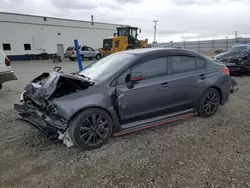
{"points": [[6, 74]]}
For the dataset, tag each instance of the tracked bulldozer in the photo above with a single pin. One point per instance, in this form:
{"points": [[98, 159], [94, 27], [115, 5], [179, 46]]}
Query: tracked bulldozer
{"points": [[126, 38]]}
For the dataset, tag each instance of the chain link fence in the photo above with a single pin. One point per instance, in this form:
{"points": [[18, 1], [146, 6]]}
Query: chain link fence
{"points": [[206, 47]]}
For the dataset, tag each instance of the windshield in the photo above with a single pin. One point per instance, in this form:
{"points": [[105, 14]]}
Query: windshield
{"points": [[106, 67], [238, 49], [123, 32]]}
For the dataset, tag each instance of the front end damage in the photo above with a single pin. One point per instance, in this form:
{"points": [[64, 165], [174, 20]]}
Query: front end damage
{"points": [[237, 62], [39, 109]]}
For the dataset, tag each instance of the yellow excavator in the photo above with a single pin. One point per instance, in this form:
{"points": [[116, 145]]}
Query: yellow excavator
{"points": [[126, 38]]}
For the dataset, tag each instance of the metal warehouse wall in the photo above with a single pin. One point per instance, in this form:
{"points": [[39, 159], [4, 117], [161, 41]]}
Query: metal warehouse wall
{"points": [[44, 33], [206, 46]]}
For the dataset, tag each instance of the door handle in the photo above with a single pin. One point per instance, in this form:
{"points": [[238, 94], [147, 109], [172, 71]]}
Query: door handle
{"points": [[202, 76], [165, 84]]}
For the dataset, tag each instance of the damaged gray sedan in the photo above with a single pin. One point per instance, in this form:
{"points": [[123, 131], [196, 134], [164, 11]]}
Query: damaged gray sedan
{"points": [[124, 92]]}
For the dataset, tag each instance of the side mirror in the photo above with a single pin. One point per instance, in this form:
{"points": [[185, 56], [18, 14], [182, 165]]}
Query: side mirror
{"points": [[139, 30], [132, 79], [135, 76], [114, 34]]}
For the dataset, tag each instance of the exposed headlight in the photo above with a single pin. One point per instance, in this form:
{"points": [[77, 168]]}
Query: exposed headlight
{"points": [[52, 108]]}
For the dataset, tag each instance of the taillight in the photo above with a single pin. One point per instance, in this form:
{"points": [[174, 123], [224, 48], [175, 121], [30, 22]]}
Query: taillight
{"points": [[73, 52], [226, 71], [7, 61]]}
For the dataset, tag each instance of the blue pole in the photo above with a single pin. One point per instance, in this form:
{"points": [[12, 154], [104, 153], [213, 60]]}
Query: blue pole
{"points": [[79, 60]]}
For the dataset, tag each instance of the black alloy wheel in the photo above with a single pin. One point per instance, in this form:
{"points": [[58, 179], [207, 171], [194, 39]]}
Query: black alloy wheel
{"points": [[91, 128], [94, 129], [209, 102]]}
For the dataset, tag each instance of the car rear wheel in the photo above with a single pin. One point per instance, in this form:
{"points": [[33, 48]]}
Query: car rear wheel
{"points": [[91, 128], [98, 56], [209, 103], [71, 59]]}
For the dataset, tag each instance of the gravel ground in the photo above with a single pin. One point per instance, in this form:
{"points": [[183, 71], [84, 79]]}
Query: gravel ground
{"points": [[196, 152]]}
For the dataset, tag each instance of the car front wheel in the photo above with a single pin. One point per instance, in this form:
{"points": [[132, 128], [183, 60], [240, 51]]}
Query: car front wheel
{"points": [[91, 128], [98, 56], [209, 103]]}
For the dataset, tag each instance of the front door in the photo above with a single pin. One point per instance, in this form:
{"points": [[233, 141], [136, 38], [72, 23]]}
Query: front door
{"points": [[60, 50], [150, 96]]}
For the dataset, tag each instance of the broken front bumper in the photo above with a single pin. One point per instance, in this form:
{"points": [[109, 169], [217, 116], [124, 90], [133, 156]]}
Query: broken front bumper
{"points": [[7, 76], [49, 125]]}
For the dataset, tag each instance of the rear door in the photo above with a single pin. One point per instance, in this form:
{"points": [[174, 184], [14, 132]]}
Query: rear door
{"points": [[150, 96], [188, 80], [3, 67]]}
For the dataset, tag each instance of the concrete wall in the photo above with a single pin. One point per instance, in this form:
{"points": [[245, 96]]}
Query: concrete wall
{"points": [[44, 33]]}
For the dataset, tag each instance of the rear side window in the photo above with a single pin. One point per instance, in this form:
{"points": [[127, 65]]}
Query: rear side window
{"points": [[152, 69], [182, 63], [200, 63], [6, 47], [70, 48]]}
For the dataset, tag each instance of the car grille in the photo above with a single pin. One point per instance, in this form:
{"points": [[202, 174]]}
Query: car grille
{"points": [[107, 44]]}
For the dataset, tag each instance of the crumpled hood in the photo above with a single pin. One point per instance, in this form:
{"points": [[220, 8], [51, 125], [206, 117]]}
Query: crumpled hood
{"points": [[55, 85], [231, 55]]}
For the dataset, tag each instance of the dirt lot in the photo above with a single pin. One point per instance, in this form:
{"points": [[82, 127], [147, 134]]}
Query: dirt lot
{"points": [[196, 152]]}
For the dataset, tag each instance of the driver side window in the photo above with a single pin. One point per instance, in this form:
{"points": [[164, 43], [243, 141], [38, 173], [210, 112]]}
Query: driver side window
{"points": [[149, 69], [152, 68]]}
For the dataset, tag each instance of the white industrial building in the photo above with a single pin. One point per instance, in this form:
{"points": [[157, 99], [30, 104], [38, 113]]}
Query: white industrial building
{"points": [[27, 34]]}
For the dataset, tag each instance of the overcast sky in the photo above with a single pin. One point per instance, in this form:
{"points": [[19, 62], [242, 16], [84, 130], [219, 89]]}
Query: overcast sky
{"points": [[178, 19]]}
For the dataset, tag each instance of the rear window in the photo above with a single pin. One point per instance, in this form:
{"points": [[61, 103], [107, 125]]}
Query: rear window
{"points": [[70, 48]]}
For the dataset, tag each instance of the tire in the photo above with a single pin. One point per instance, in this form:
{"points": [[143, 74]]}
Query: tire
{"points": [[92, 136], [209, 103], [71, 59], [98, 56], [90, 58], [1, 86]]}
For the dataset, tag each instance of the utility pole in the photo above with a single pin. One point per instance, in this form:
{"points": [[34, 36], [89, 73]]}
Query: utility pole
{"points": [[236, 35], [226, 44], [155, 21]]}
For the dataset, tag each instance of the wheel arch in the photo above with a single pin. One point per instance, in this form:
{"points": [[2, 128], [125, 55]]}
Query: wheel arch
{"points": [[112, 113], [89, 107]]}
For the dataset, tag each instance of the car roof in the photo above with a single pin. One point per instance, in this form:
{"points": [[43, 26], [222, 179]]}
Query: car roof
{"points": [[145, 51]]}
